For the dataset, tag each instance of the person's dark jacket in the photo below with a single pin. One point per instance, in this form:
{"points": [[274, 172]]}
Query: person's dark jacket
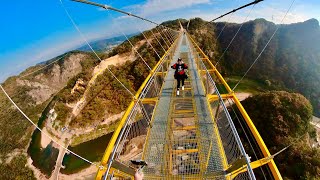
{"points": [[180, 70]]}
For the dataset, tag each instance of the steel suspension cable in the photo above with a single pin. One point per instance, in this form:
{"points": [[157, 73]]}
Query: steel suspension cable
{"points": [[150, 44], [164, 34], [122, 133], [134, 48], [237, 9], [165, 31], [45, 66], [48, 136], [167, 34], [157, 40], [247, 137], [84, 38], [172, 34], [224, 26], [117, 10], [264, 48], [162, 37], [252, 137], [235, 35]]}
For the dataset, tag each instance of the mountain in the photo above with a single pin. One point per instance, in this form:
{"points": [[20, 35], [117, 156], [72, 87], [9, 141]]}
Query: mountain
{"points": [[105, 45], [79, 93], [32, 91], [73, 91], [291, 61]]}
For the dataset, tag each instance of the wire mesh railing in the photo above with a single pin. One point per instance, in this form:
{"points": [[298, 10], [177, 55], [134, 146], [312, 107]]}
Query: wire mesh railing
{"points": [[234, 152], [131, 140], [207, 149]]}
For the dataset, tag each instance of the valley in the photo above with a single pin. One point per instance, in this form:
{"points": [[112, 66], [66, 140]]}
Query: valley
{"points": [[78, 103]]}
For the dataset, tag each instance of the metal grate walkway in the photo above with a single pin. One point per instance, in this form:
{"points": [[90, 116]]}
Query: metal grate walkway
{"points": [[182, 143]]}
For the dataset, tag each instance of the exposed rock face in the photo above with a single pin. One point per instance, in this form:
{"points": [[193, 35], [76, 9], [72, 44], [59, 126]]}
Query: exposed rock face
{"points": [[42, 86]]}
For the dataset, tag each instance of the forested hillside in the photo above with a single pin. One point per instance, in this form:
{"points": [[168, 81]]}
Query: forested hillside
{"points": [[32, 90], [291, 60], [283, 119], [60, 84]]}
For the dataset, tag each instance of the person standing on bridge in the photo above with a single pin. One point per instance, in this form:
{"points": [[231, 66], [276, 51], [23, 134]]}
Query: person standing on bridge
{"points": [[180, 73]]}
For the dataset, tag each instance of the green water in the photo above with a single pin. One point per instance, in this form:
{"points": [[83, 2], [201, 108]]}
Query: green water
{"points": [[92, 150], [43, 159]]}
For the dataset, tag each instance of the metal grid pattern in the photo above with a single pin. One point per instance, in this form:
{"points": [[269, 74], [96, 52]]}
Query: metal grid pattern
{"points": [[133, 137], [232, 148], [181, 137]]}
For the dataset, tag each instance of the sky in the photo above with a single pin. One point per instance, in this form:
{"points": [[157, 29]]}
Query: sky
{"points": [[38, 30]]}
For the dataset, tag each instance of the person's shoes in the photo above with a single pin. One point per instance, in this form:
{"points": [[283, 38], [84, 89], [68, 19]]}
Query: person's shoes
{"points": [[182, 88], [177, 92]]}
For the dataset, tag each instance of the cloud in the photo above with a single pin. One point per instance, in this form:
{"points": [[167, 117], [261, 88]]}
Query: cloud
{"points": [[267, 12], [34, 54], [152, 7]]}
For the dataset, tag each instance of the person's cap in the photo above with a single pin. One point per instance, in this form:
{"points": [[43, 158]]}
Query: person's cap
{"points": [[179, 59]]}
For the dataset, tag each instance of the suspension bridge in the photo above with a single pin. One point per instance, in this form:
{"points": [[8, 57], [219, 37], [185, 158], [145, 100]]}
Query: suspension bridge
{"points": [[187, 136], [190, 136]]}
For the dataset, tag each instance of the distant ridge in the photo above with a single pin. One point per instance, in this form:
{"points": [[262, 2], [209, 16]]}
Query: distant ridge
{"points": [[103, 45]]}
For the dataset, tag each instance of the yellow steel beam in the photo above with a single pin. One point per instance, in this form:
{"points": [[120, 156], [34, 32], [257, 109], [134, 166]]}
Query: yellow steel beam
{"points": [[116, 133], [182, 151], [254, 165], [184, 128], [120, 174], [113, 141], [148, 100], [184, 141], [212, 97], [160, 73], [209, 70], [183, 111], [187, 88]]}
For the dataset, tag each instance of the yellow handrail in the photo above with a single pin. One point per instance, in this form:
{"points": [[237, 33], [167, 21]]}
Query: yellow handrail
{"points": [[273, 167], [116, 133]]}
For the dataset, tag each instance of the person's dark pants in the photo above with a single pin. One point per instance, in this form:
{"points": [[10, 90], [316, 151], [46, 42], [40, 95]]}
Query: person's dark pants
{"points": [[180, 79]]}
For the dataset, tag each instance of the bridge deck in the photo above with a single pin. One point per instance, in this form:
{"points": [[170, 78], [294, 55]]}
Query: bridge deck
{"points": [[182, 142]]}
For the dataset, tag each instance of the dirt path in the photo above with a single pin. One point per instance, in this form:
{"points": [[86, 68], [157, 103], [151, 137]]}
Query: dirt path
{"points": [[58, 165], [112, 118], [36, 171], [98, 70], [45, 141]]}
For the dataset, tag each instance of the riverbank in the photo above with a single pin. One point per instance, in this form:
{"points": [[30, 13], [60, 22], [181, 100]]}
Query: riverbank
{"points": [[85, 174]]}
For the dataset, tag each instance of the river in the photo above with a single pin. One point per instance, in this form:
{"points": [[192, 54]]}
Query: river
{"points": [[43, 159], [92, 150]]}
